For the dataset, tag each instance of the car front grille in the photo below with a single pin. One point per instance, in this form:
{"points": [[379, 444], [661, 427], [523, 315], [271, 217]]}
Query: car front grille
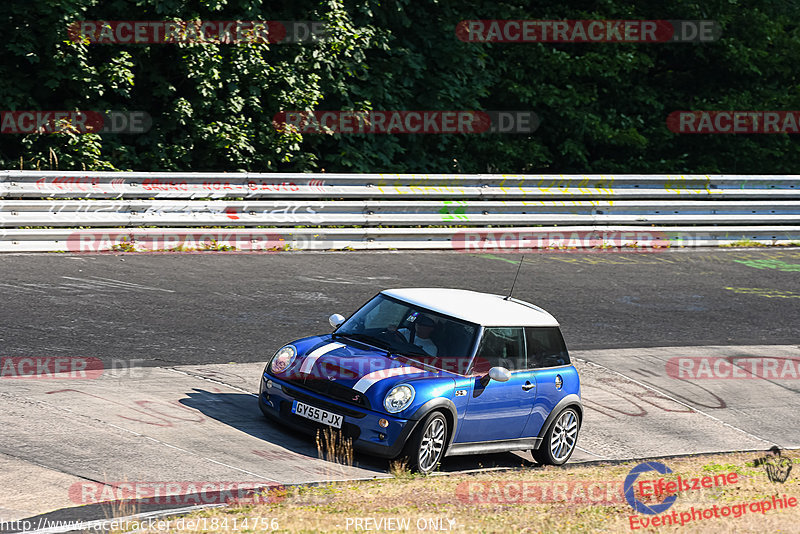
{"points": [[333, 390]]}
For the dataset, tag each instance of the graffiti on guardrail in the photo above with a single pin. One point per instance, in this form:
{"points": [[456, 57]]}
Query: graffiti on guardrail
{"points": [[453, 210], [96, 184], [155, 184], [69, 183], [277, 212]]}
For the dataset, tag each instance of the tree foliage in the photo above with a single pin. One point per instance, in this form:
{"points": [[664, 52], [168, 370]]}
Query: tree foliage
{"points": [[602, 106]]}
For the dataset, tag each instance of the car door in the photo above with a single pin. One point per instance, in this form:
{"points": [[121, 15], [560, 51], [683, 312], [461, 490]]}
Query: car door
{"points": [[549, 363], [499, 410]]}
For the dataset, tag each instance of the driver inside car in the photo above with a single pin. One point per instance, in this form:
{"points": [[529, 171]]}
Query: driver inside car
{"points": [[419, 334]]}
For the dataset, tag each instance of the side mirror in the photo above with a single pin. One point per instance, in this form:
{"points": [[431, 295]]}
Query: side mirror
{"points": [[501, 374], [336, 321]]}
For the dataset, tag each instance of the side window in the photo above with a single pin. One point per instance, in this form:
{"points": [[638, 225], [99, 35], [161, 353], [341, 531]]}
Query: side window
{"points": [[545, 347], [503, 347]]}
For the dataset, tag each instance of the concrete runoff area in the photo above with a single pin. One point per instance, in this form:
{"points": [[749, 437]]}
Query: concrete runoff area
{"points": [[196, 423], [753, 388]]}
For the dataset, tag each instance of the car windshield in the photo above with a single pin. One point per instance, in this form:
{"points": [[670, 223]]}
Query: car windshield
{"points": [[422, 335]]}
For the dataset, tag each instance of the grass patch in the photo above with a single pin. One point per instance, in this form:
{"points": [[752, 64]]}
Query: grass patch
{"points": [[334, 448], [745, 243], [444, 501]]}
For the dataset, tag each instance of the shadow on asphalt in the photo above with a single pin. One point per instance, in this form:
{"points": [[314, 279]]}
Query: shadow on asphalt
{"points": [[240, 411]]}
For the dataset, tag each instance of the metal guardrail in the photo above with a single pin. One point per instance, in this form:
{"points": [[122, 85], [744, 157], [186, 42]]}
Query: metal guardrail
{"points": [[300, 185], [281, 211]]}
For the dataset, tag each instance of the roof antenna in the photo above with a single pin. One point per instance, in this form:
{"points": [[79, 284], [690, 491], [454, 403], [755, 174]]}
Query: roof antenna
{"points": [[515, 278]]}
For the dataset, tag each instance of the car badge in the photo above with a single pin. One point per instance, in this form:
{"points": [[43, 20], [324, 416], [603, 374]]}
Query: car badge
{"points": [[461, 392]]}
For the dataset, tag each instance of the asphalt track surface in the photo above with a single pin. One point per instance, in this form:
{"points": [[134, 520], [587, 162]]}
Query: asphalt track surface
{"points": [[203, 325], [194, 308]]}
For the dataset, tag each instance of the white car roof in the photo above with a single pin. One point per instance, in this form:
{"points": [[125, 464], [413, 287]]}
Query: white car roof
{"points": [[482, 308]]}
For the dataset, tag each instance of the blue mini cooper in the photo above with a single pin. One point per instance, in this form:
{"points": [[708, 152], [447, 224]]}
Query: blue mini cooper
{"points": [[427, 373]]}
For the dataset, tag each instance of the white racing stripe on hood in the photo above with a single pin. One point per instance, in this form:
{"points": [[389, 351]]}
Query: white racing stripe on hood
{"points": [[367, 380], [312, 358]]}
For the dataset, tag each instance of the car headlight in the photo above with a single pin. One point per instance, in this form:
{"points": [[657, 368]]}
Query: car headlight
{"points": [[399, 398], [283, 359]]}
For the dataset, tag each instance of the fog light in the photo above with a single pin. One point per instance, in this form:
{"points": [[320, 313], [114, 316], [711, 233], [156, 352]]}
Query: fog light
{"points": [[269, 384], [381, 437], [383, 423]]}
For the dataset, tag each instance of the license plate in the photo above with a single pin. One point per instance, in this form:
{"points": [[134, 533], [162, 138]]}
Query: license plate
{"points": [[317, 414]]}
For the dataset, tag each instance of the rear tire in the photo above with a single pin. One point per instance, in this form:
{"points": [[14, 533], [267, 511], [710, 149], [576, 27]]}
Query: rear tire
{"points": [[560, 439], [425, 449]]}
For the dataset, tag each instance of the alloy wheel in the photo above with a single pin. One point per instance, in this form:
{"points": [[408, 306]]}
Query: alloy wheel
{"points": [[430, 449], [564, 435]]}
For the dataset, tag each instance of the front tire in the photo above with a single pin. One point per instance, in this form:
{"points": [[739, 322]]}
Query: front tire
{"points": [[560, 439], [425, 449]]}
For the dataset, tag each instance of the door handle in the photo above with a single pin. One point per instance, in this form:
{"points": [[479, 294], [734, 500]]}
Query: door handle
{"points": [[528, 386]]}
